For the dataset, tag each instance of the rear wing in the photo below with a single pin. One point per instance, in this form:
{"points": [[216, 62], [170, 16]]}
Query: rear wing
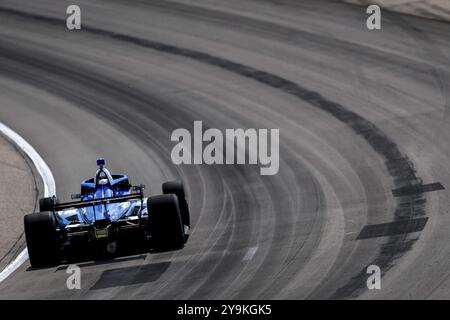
{"points": [[138, 193]]}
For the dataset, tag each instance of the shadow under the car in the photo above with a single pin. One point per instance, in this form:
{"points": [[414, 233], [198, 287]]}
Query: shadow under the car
{"points": [[130, 275], [82, 259], [102, 262], [84, 263]]}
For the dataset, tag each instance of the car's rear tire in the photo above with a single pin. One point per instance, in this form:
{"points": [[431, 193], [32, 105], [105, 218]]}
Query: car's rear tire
{"points": [[47, 204], [165, 223], [42, 239], [177, 188]]}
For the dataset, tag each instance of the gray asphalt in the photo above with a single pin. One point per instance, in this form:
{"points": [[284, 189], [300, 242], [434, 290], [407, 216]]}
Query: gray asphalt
{"points": [[360, 113]]}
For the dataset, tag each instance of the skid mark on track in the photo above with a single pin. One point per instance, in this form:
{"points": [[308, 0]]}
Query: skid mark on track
{"points": [[411, 190], [398, 165], [393, 228]]}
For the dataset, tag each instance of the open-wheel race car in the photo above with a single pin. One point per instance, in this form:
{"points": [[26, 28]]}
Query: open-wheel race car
{"points": [[107, 216]]}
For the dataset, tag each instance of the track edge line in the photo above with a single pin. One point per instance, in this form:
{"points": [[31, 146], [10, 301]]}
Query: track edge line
{"points": [[49, 188]]}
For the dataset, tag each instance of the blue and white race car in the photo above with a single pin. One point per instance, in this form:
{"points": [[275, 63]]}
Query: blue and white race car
{"points": [[108, 215]]}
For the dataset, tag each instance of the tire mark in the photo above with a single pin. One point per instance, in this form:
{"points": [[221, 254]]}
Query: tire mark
{"points": [[118, 90], [400, 168], [433, 53]]}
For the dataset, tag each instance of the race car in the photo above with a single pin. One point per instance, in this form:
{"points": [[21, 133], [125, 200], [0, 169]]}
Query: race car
{"points": [[108, 215]]}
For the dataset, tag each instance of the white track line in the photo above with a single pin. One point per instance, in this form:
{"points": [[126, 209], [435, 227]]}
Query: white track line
{"points": [[49, 188]]}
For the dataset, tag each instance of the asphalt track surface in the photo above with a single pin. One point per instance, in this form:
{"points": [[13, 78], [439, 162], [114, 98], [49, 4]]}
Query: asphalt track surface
{"points": [[360, 113]]}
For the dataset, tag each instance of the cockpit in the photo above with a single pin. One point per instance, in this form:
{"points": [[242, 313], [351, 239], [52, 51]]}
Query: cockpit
{"points": [[104, 183]]}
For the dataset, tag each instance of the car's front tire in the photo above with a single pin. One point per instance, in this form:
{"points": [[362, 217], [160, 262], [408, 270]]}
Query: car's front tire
{"points": [[42, 239], [165, 223]]}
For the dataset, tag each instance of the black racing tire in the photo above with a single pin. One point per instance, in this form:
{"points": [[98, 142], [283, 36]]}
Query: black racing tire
{"points": [[165, 225], [177, 188], [47, 204], [42, 239]]}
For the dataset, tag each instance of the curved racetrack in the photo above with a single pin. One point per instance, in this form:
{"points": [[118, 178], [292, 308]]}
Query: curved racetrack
{"points": [[360, 113]]}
